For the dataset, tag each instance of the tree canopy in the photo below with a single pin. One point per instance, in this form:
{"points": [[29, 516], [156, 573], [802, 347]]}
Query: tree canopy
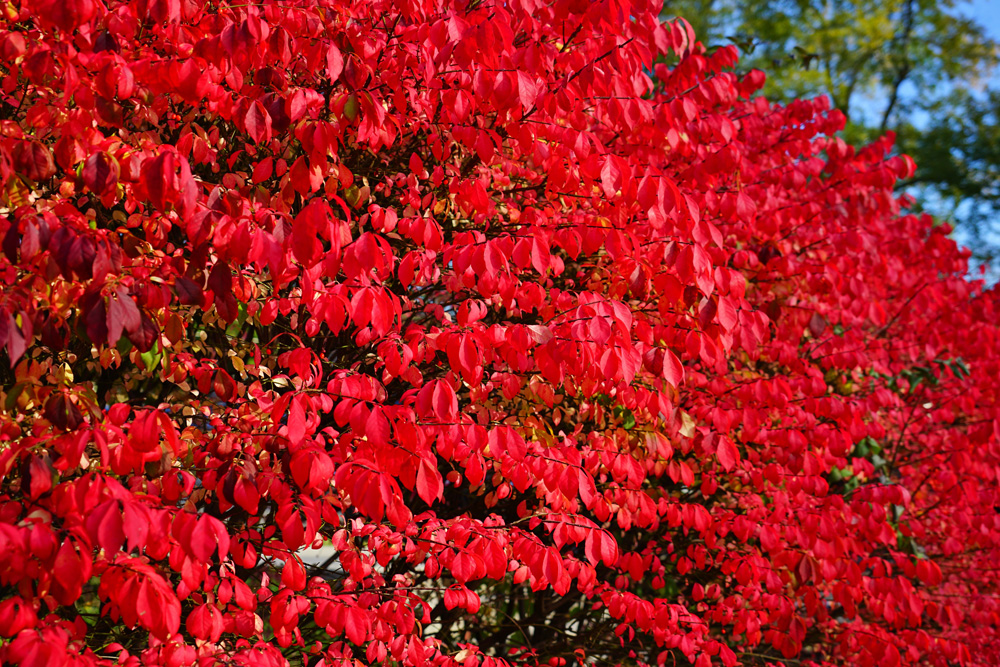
{"points": [[469, 333]]}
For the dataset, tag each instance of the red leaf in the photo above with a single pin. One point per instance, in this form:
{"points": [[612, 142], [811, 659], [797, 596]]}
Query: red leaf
{"points": [[220, 281], [72, 569], [305, 244], [122, 314], [16, 615], [156, 607], [40, 477], [727, 453], [429, 485], [33, 160], [136, 519], [208, 535], [444, 402], [673, 370], [62, 412], [552, 566], [205, 622], [224, 386], [437, 399], [746, 208], [611, 177], [188, 291], [156, 174], [527, 90], [356, 625], [144, 433], [105, 526], [466, 357], [601, 547], [100, 173], [297, 420], [334, 62], [727, 313], [377, 427], [817, 325], [246, 495], [258, 123], [312, 469], [17, 340], [144, 337]]}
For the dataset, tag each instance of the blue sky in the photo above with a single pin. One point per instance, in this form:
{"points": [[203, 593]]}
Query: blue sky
{"points": [[986, 12]]}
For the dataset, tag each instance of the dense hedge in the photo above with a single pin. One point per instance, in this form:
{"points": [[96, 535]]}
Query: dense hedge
{"points": [[478, 333]]}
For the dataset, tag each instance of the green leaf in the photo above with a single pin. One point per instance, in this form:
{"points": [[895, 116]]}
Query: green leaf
{"points": [[12, 395], [152, 357], [236, 325]]}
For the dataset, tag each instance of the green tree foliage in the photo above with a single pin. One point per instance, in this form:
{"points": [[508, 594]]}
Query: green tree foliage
{"points": [[916, 67], [959, 155]]}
